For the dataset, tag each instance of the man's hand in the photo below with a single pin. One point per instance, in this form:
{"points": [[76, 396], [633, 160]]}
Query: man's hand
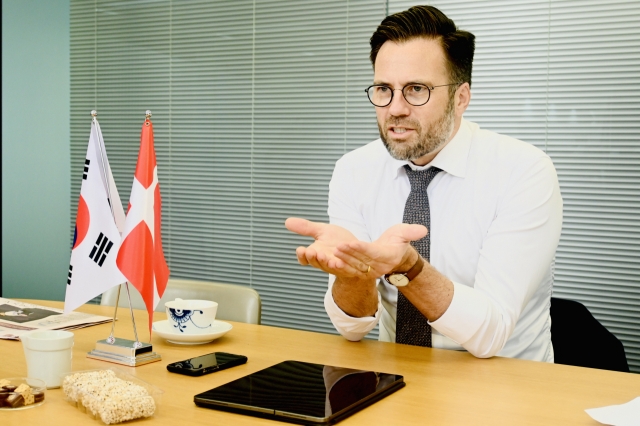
{"points": [[354, 289], [391, 252], [321, 254], [356, 264]]}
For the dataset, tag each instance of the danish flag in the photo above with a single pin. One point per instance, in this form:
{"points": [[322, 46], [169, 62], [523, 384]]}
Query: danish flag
{"points": [[141, 258]]}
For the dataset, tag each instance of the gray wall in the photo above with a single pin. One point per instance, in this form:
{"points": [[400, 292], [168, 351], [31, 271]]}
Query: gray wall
{"points": [[35, 148]]}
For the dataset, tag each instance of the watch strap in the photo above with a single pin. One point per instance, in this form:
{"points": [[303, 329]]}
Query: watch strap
{"points": [[415, 270]]}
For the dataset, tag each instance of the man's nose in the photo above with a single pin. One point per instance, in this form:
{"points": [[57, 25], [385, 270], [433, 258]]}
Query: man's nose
{"points": [[399, 105]]}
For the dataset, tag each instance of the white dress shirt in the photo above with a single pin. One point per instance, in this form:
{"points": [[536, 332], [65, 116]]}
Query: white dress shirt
{"points": [[496, 217]]}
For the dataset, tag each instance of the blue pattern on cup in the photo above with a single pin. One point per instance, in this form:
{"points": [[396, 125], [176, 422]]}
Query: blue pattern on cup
{"points": [[183, 317]]}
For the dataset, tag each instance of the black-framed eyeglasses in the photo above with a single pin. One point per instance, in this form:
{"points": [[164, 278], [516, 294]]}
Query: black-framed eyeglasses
{"points": [[381, 95]]}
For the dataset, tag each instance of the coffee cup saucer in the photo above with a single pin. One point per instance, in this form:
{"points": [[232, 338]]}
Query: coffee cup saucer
{"points": [[165, 330]]}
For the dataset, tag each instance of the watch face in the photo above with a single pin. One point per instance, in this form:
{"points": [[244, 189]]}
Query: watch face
{"points": [[399, 280]]}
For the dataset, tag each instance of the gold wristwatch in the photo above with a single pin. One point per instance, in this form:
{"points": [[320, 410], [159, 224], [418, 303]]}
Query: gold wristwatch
{"points": [[401, 279]]}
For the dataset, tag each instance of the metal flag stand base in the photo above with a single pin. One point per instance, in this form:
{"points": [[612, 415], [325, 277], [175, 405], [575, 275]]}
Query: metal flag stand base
{"points": [[124, 351]]}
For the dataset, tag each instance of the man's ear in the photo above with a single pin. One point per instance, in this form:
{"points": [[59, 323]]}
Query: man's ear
{"points": [[462, 98]]}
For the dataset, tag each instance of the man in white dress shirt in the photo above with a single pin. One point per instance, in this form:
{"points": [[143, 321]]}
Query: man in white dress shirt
{"points": [[495, 209]]}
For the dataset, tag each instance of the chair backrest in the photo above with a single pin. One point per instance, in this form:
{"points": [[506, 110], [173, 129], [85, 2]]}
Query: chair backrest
{"points": [[579, 339], [235, 302]]}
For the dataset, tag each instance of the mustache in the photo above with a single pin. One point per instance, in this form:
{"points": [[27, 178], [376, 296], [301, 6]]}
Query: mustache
{"points": [[401, 122]]}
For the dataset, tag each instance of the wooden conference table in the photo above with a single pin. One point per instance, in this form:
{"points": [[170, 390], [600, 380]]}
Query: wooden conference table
{"points": [[443, 387]]}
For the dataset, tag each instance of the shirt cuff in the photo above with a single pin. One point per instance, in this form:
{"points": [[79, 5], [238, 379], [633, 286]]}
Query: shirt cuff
{"points": [[465, 316], [351, 328]]}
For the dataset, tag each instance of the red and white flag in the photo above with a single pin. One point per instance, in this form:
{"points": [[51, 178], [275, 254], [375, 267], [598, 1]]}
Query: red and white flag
{"points": [[141, 258], [96, 240]]}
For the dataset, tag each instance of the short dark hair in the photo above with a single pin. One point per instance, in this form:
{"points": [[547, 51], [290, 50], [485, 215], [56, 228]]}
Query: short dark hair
{"points": [[429, 22]]}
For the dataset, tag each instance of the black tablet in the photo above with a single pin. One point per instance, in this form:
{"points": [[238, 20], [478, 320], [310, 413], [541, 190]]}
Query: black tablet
{"points": [[301, 392]]}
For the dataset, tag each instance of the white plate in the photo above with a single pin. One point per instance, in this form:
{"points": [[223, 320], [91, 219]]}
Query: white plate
{"points": [[166, 331]]}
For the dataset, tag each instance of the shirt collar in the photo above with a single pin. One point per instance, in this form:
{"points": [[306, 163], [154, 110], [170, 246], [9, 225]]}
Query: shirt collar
{"points": [[453, 157]]}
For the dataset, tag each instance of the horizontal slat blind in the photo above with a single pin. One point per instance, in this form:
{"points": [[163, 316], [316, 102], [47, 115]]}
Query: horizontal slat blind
{"points": [[594, 140], [565, 76], [253, 102], [302, 85]]}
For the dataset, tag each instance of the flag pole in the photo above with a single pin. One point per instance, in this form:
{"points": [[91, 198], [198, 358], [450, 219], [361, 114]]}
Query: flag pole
{"points": [[94, 120], [111, 339]]}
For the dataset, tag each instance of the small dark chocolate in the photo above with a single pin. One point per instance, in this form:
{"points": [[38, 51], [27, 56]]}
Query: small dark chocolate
{"points": [[10, 388], [15, 400], [38, 396]]}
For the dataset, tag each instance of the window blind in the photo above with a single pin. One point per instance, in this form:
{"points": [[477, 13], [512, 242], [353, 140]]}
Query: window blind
{"points": [[253, 101], [564, 75]]}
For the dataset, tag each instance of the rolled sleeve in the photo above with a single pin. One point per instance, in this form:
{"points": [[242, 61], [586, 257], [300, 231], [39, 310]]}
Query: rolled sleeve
{"points": [[351, 328]]}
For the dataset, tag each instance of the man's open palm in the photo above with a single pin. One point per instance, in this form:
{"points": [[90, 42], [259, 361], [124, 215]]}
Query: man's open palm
{"points": [[321, 253]]}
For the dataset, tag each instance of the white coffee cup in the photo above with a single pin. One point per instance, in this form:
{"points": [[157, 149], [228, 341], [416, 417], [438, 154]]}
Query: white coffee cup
{"points": [[48, 354], [191, 316]]}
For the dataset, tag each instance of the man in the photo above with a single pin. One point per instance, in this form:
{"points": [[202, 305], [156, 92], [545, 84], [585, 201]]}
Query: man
{"points": [[480, 278]]}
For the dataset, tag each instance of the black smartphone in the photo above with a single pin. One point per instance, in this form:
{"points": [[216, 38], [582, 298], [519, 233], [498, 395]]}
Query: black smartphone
{"points": [[205, 364]]}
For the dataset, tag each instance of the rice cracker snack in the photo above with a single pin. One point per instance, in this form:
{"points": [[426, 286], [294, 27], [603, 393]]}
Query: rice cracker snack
{"points": [[107, 396]]}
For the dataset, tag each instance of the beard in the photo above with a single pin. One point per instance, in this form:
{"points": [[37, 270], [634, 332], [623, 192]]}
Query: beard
{"points": [[424, 142]]}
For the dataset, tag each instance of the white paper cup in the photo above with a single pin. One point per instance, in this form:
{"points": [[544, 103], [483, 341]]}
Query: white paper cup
{"points": [[191, 316], [48, 354]]}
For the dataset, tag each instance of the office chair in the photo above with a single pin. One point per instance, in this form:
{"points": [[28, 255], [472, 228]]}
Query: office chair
{"points": [[579, 339], [235, 302]]}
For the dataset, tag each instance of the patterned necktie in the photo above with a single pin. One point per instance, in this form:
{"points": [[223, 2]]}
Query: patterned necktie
{"points": [[412, 327]]}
